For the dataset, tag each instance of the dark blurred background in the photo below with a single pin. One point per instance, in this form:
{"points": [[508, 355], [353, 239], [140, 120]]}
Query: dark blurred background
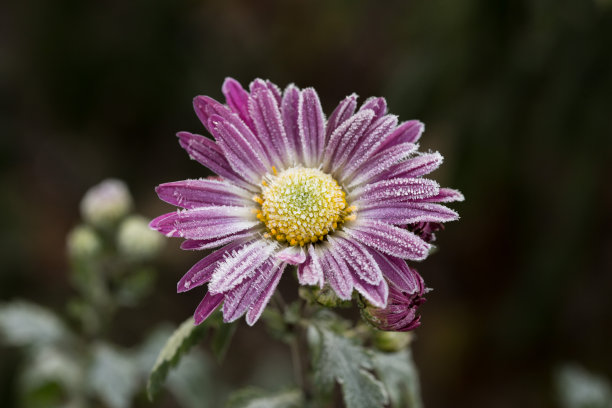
{"points": [[517, 95]]}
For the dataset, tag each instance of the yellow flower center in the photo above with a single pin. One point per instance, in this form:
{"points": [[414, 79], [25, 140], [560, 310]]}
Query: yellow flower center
{"points": [[301, 205]]}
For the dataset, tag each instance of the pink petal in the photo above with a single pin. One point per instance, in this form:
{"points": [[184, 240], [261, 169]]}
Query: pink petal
{"points": [[198, 245], [203, 193], [337, 273], [403, 213], [390, 240], [344, 139], [375, 294], [289, 113], [395, 190], [265, 111], [238, 100], [243, 152], [373, 169], [376, 104], [407, 132], [209, 154], [399, 273], [311, 122], [311, 271], [445, 195], [292, 255], [202, 271], [242, 264], [344, 110], [257, 307], [369, 142], [358, 259], [206, 307], [204, 223]]}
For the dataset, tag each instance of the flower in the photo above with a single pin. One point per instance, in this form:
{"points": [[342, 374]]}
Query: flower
{"points": [[106, 203], [330, 196], [406, 290]]}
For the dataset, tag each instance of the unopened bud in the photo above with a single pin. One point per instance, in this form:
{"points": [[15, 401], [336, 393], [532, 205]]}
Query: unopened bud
{"points": [[106, 203], [83, 242], [136, 240]]}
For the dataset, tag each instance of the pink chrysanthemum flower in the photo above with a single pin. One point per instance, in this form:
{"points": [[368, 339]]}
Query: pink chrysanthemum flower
{"points": [[331, 196]]}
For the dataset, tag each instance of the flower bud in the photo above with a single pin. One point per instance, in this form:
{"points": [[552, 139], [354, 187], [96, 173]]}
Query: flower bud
{"points": [[83, 242], [391, 341], [106, 203], [405, 296], [136, 240]]}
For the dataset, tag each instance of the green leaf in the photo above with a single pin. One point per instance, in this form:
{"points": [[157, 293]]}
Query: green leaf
{"points": [[400, 377], [256, 398], [195, 382], [113, 376], [337, 358], [52, 365], [27, 324], [222, 338], [178, 344]]}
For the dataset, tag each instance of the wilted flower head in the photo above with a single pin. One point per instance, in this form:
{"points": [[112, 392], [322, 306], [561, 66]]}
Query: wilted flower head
{"points": [[136, 240], [332, 196], [406, 292], [106, 203]]}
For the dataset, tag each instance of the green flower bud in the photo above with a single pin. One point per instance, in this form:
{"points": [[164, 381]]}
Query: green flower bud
{"points": [[83, 242], [106, 203], [391, 341], [136, 240]]}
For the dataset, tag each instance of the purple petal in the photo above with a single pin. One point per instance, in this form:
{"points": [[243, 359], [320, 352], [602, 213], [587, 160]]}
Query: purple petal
{"points": [[264, 109], [369, 142], [208, 109], [205, 107], [198, 245], [289, 113], [445, 195], [292, 255], [375, 294], [343, 111], [407, 132], [204, 223], [377, 104], [238, 299], [242, 264], [358, 259], [343, 139], [238, 100], [337, 273], [378, 165], [395, 190], [209, 154], [415, 167], [256, 308], [243, 151], [399, 273], [409, 212], [203, 193], [202, 271], [391, 240], [206, 307], [311, 271], [311, 122], [276, 92]]}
